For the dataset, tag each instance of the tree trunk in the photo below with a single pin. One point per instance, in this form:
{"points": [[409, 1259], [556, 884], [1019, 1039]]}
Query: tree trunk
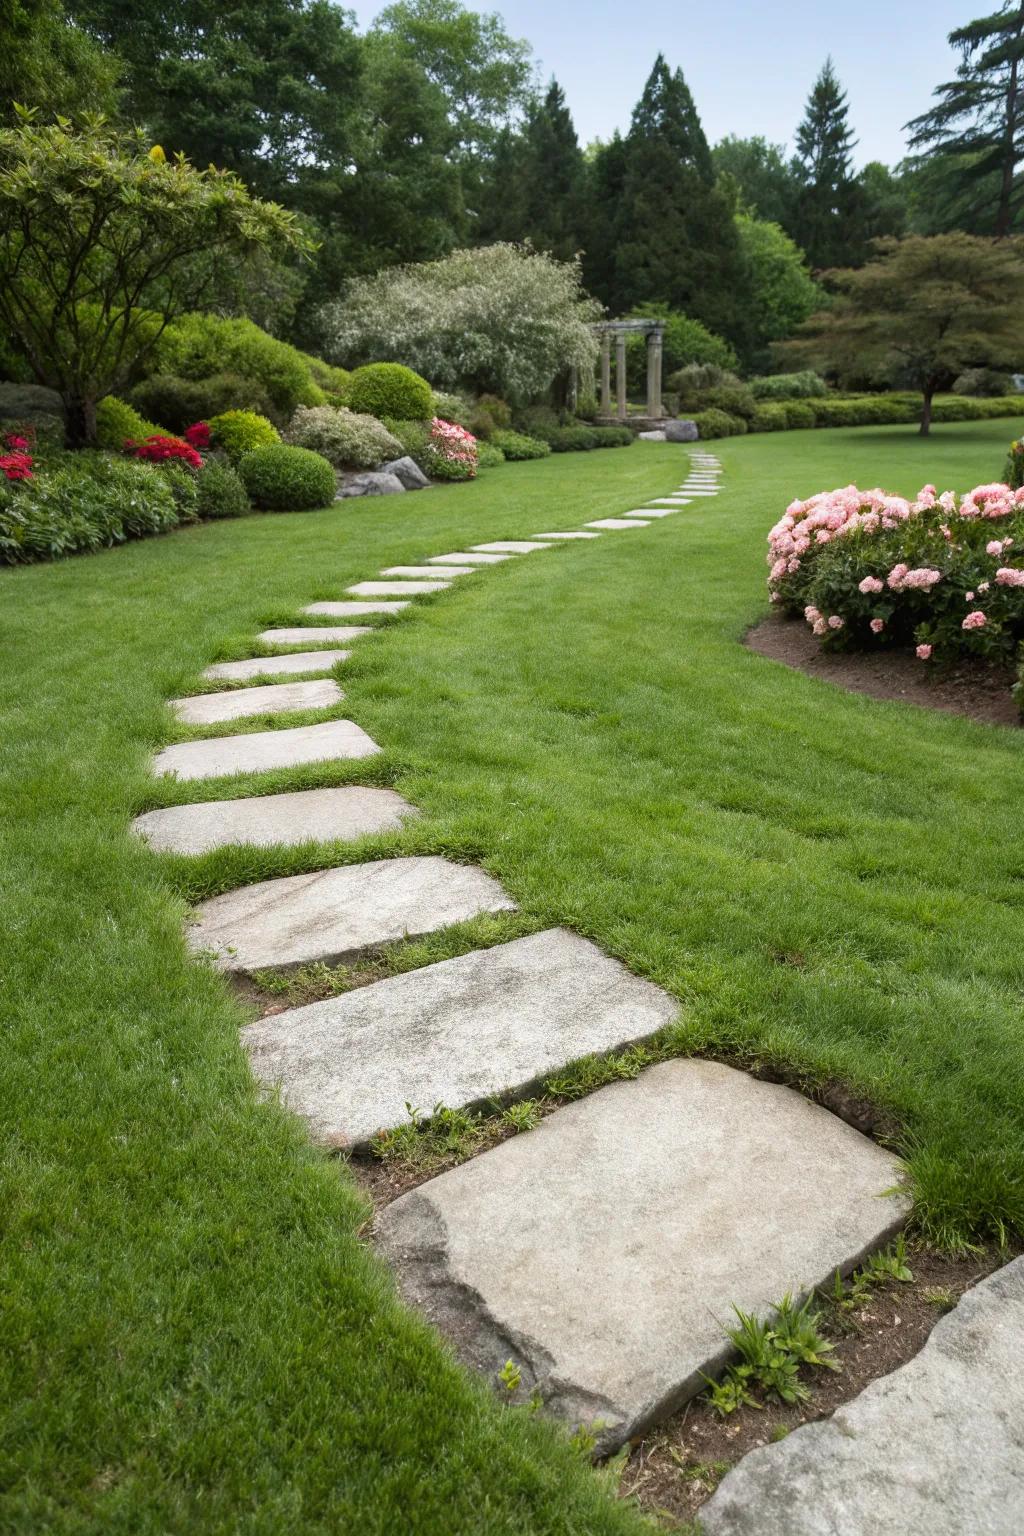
{"points": [[79, 422], [926, 412]]}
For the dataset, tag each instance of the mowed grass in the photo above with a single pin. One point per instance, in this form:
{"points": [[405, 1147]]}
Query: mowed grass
{"points": [[194, 1336]]}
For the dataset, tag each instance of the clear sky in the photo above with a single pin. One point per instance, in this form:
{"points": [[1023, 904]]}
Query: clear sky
{"points": [[749, 66]]}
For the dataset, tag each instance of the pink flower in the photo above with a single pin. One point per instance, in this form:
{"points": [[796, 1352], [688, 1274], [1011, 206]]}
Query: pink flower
{"points": [[983, 586], [896, 576], [811, 614], [968, 597], [877, 625], [923, 652], [870, 584], [994, 547], [975, 620], [819, 627], [835, 622], [1008, 576]]}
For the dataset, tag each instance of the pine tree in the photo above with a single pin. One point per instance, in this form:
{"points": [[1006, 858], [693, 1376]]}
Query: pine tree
{"points": [[675, 238], [536, 180], [974, 136], [823, 167]]}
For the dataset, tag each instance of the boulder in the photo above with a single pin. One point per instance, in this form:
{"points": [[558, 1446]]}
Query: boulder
{"points": [[652, 437], [375, 482], [681, 432], [408, 471]]}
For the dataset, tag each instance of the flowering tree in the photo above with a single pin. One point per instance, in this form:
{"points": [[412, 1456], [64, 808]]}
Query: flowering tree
{"points": [[503, 318], [101, 243]]}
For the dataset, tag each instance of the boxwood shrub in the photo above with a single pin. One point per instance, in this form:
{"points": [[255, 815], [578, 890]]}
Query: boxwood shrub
{"points": [[516, 446], [771, 418], [571, 439], [178, 402], [799, 414], [239, 432], [117, 422], [390, 389], [789, 386], [613, 437], [280, 478], [488, 456], [715, 423], [219, 491]]}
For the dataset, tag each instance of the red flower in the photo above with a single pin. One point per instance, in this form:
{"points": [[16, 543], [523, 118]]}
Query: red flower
{"points": [[164, 450], [198, 434], [16, 466], [14, 440]]}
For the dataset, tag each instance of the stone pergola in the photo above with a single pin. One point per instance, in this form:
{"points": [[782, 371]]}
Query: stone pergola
{"points": [[654, 330]]}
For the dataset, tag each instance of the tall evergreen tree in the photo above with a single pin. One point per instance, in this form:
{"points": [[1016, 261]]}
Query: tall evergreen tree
{"points": [[536, 180], [674, 234], [822, 166], [975, 132]]}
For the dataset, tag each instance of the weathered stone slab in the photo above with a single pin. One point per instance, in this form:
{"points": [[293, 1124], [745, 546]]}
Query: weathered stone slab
{"points": [[618, 522], [271, 666], [273, 699], [397, 588], [353, 610], [489, 1023], [573, 534], [313, 635], [510, 547], [335, 914], [652, 512], [262, 750], [652, 437], [603, 1251], [681, 431], [408, 471], [373, 483], [429, 571], [934, 1448], [690, 492], [467, 557], [305, 816]]}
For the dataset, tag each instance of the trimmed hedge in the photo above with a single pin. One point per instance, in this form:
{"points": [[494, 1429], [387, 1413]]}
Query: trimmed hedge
{"points": [[789, 386], [390, 389], [613, 437], [239, 432], [715, 423], [280, 478], [517, 447], [117, 422]]}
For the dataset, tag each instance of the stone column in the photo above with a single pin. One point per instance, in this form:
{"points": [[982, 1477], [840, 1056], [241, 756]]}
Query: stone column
{"points": [[652, 405], [659, 353], [620, 375], [606, 373]]}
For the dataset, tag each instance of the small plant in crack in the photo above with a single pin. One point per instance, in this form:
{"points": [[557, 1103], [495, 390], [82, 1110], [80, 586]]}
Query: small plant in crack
{"points": [[423, 1142], [890, 1264], [511, 1377], [772, 1352]]}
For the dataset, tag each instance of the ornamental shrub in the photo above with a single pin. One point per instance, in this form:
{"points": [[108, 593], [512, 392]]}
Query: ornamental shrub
{"points": [[868, 569], [219, 491], [453, 407], [1014, 472], [281, 478], [177, 402], [771, 417], [184, 484], [516, 447], [983, 381], [389, 389], [685, 342], [734, 399], [697, 378], [716, 423], [118, 423], [343, 437], [413, 438], [612, 437], [160, 449], [200, 346], [451, 453], [239, 432], [572, 439], [789, 386], [799, 414], [487, 456], [333, 381], [91, 501]]}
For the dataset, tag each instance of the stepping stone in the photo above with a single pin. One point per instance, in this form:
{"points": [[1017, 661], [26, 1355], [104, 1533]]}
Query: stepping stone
{"points": [[261, 750], [652, 512], [336, 914], [269, 666], [467, 557], [603, 1251], [312, 635], [935, 1447], [510, 547], [572, 535], [428, 570], [352, 610], [301, 816], [275, 698], [618, 522], [489, 1023], [397, 588]]}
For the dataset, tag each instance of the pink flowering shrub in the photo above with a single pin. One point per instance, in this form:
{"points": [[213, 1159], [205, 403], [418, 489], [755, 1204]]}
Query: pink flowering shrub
{"points": [[942, 573], [451, 453]]}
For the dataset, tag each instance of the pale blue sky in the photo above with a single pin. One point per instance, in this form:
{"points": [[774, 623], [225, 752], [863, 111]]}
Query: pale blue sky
{"points": [[750, 66]]}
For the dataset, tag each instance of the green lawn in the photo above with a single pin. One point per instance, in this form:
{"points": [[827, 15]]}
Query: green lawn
{"points": [[193, 1337]]}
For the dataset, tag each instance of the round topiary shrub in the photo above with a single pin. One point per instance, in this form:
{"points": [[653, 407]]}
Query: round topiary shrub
{"points": [[359, 442], [219, 491], [239, 432], [389, 389], [279, 478]]}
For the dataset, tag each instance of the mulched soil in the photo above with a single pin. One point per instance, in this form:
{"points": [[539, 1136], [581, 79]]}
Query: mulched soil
{"points": [[673, 1470], [975, 690]]}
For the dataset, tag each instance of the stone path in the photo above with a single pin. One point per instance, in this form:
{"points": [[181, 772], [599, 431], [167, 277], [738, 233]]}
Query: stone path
{"points": [[337, 914], [601, 1250], [936, 1448]]}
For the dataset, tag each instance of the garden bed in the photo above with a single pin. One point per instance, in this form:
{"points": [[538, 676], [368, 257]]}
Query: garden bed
{"points": [[974, 689]]}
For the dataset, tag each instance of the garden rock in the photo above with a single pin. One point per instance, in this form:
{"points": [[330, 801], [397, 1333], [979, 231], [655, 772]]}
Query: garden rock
{"points": [[652, 437], [270, 666], [681, 432], [935, 1447], [492, 1022], [294, 818], [603, 1251], [259, 751], [374, 482], [408, 471], [336, 914], [272, 699]]}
